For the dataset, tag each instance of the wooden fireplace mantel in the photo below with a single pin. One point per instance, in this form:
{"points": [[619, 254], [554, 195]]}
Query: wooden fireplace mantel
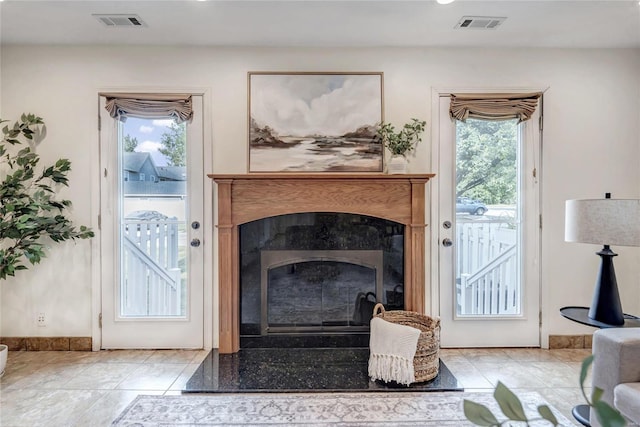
{"points": [[248, 197]]}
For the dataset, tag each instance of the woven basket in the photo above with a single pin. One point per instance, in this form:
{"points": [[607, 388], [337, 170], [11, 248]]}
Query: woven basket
{"points": [[426, 362]]}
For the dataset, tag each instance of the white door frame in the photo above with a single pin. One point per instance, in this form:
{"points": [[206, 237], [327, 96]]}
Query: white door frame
{"points": [[436, 94], [207, 221]]}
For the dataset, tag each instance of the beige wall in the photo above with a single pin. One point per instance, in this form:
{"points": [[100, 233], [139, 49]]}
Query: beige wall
{"points": [[591, 142]]}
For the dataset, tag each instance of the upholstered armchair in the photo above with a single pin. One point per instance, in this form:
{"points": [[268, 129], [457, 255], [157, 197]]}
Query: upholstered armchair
{"points": [[616, 370]]}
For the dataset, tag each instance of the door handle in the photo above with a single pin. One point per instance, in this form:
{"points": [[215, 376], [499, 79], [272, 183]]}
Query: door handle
{"points": [[195, 243], [447, 242]]}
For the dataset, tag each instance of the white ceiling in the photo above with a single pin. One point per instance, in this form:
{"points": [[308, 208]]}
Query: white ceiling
{"points": [[333, 23]]}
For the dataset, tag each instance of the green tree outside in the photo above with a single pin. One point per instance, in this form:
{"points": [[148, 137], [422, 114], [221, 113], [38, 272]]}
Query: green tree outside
{"points": [[174, 145], [129, 143], [486, 159]]}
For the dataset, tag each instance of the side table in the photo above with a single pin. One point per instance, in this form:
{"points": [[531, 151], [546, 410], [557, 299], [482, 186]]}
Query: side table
{"points": [[581, 315]]}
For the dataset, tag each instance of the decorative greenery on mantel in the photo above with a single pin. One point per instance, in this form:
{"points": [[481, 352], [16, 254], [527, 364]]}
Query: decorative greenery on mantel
{"points": [[29, 212], [403, 142]]}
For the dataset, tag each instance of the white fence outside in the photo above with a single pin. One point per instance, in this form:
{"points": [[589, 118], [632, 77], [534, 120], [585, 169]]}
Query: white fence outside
{"points": [[151, 278], [487, 267]]}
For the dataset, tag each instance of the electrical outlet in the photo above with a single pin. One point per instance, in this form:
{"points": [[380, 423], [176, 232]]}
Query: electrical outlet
{"points": [[41, 320]]}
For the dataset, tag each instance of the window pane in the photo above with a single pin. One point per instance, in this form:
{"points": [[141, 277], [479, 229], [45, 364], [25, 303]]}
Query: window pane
{"points": [[487, 218], [153, 218]]}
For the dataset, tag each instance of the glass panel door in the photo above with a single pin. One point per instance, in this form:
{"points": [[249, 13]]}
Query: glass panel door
{"points": [[151, 232], [487, 231]]}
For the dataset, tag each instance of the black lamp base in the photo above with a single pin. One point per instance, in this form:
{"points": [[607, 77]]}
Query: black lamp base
{"points": [[605, 306]]}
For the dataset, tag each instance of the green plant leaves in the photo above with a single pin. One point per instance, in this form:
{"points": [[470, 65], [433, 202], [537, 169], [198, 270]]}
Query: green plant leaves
{"points": [[28, 203], [509, 403], [585, 368], [512, 407], [403, 142], [596, 394], [545, 412], [479, 414], [608, 416]]}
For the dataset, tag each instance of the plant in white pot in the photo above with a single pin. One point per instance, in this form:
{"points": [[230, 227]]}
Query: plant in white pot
{"points": [[400, 143], [30, 214]]}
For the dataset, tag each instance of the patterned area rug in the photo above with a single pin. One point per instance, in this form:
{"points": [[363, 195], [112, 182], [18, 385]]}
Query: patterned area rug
{"points": [[338, 409]]}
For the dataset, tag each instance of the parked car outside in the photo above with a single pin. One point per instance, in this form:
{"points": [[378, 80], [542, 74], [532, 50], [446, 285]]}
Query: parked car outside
{"points": [[470, 206]]}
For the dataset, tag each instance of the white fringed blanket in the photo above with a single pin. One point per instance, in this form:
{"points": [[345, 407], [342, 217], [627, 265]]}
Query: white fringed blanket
{"points": [[392, 349]]}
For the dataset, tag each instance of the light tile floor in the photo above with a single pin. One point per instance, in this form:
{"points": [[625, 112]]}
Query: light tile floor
{"points": [[81, 389]]}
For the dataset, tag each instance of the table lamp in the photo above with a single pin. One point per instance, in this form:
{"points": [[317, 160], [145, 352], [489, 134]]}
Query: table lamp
{"points": [[608, 222]]}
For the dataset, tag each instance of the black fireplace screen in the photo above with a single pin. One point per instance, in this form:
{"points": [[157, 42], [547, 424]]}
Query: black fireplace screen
{"points": [[318, 272], [314, 294]]}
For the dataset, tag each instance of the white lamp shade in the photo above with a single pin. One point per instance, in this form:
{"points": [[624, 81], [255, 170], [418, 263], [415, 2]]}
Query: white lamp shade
{"points": [[613, 222]]}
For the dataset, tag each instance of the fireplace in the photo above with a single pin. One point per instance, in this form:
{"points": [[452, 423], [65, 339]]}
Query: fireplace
{"points": [[317, 273], [299, 206]]}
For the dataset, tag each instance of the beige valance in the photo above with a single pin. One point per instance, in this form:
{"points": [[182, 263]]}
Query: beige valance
{"points": [[493, 106], [149, 106]]}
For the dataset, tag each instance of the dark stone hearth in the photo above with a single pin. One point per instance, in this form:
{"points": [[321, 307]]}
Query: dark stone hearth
{"points": [[349, 340], [299, 370]]}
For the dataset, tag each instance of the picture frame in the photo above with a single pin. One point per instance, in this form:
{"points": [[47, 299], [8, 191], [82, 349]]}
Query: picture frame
{"points": [[309, 122]]}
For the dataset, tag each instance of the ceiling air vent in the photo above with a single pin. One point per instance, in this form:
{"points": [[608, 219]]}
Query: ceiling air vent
{"points": [[120, 20], [480, 22]]}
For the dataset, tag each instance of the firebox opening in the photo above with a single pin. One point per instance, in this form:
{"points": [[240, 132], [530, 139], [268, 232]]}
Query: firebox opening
{"points": [[317, 275], [318, 291]]}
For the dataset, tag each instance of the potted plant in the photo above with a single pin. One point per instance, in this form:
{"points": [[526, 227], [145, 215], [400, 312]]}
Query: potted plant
{"points": [[400, 143], [512, 408], [30, 215]]}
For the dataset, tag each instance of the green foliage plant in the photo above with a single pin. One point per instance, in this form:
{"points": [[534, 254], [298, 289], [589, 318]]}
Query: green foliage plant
{"points": [[29, 212], [486, 160], [403, 142], [129, 143], [512, 408], [174, 145]]}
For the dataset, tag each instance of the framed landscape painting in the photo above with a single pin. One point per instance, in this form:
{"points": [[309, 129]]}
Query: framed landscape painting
{"points": [[315, 122]]}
